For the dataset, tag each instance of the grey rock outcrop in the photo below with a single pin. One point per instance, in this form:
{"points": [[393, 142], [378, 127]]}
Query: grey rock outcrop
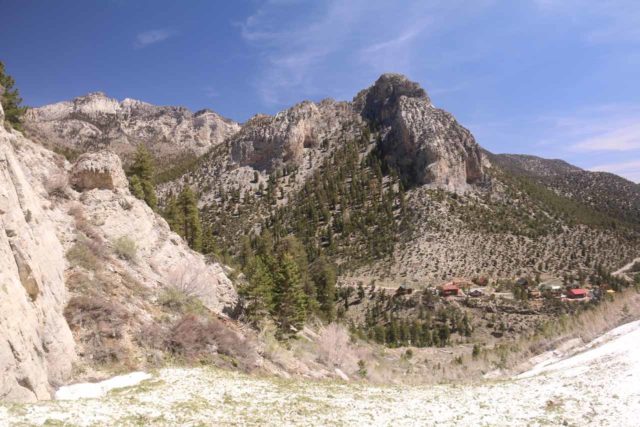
{"points": [[95, 121], [101, 169], [426, 145]]}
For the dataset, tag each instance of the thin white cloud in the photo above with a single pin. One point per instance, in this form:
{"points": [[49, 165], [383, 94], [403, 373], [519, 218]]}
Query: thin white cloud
{"points": [[297, 48], [394, 54], [602, 128], [626, 138], [148, 38], [601, 137], [396, 42], [628, 169]]}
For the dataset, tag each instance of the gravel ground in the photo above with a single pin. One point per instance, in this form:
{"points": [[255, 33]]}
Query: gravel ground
{"points": [[599, 385]]}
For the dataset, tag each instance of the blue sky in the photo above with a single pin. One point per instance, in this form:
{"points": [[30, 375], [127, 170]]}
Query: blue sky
{"points": [[556, 78]]}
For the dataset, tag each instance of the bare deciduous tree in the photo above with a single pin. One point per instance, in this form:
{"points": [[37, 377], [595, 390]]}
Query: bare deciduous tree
{"points": [[190, 280]]}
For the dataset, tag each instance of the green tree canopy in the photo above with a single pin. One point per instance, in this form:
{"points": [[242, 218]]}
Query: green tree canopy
{"points": [[190, 228], [11, 100], [141, 176]]}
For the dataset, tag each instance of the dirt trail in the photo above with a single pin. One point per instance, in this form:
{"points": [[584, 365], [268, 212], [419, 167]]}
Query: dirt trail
{"points": [[623, 270]]}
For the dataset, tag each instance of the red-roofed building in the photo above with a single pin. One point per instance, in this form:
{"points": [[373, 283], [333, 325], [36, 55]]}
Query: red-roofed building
{"points": [[577, 293], [449, 289]]}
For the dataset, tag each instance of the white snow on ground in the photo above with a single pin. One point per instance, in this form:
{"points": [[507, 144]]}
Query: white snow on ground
{"points": [[598, 386], [618, 342], [100, 389]]}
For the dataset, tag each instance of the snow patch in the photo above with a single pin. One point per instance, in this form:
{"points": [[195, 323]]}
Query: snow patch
{"points": [[100, 389]]}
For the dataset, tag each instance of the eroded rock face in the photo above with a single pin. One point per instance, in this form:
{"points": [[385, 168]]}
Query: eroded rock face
{"points": [[101, 170], [425, 144], [36, 345], [95, 121]]}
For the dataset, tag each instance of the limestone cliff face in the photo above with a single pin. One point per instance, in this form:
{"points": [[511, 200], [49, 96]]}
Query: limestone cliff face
{"points": [[95, 121], [425, 144], [36, 345]]}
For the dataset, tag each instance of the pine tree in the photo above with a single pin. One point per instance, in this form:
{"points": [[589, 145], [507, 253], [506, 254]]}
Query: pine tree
{"points": [[444, 334], [173, 214], [190, 228], [258, 292], [150, 194], [143, 169], [135, 186], [290, 300], [208, 241], [11, 100], [324, 276]]}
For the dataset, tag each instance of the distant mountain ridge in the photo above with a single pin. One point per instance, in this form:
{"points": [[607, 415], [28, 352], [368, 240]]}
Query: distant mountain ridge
{"points": [[95, 121], [605, 192]]}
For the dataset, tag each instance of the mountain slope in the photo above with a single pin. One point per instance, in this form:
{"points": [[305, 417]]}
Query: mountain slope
{"points": [[604, 192]]}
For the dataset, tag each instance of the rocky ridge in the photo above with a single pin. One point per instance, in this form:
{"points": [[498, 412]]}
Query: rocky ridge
{"points": [[487, 221]]}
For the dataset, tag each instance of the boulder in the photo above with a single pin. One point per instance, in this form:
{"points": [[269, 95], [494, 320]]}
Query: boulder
{"points": [[101, 170]]}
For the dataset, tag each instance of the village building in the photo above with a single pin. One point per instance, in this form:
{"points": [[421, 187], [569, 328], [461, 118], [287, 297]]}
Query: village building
{"points": [[577, 293], [449, 290], [552, 288]]}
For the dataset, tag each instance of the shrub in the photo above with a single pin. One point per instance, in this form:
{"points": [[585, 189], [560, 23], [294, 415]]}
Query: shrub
{"points": [[362, 368], [333, 343], [191, 281], [83, 225], [57, 185], [175, 299], [84, 254], [475, 352], [99, 324], [197, 338], [125, 248]]}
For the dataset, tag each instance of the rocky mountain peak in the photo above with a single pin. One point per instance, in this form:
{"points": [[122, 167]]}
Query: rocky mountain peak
{"points": [[424, 144], [375, 102]]}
